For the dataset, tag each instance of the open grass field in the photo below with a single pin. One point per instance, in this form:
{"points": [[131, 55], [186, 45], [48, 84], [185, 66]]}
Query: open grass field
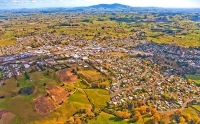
{"points": [[191, 112], [182, 40], [196, 107], [91, 75], [105, 118], [15, 103], [74, 103], [10, 88], [117, 54], [99, 97], [80, 84], [171, 30], [195, 78], [78, 97]]}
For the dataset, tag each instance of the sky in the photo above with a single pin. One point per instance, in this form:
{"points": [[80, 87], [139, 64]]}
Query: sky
{"points": [[77, 3]]}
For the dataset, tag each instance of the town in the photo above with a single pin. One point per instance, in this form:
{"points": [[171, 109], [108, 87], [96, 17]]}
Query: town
{"points": [[133, 78]]}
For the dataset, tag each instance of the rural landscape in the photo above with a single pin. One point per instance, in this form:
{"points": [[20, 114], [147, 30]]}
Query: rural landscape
{"points": [[101, 64]]}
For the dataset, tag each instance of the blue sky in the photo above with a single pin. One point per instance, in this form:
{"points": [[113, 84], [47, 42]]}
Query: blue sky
{"points": [[75, 3]]}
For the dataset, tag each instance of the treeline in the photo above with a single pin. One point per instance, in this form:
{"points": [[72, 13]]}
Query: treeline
{"points": [[68, 24]]}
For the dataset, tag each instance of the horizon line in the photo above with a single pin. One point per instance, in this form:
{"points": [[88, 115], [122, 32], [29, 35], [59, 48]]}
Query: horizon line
{"points": [[73, 7]]}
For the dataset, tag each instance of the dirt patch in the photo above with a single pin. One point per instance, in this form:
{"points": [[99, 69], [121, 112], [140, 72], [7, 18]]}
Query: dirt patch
{"points": [[1, 33], [5, 117], [58, 94], [66, 76], [32, 23], [47, 103], [2, 112], [44, 105]]}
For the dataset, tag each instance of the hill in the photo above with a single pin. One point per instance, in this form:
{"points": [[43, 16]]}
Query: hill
{"points": [[110, 6]]}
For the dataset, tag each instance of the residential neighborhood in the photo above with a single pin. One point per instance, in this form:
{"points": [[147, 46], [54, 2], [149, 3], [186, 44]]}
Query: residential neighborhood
{"points": [[133, 78]]}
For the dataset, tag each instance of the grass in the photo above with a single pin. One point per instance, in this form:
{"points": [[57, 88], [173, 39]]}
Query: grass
{"points": [[191, 112], [80, 84], [10, 88], [73, 104], [117, 54], [196, 78], [105, 118], [20, 28], [182, 40], [61, 114], [15, 103], [196, 107], [99, 97], [91, 75], [78, 97], [146, 119]]}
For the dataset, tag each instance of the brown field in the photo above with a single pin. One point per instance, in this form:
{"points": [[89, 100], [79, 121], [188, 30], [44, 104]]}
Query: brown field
{"points": [[6, 117], [47, 103], [2, 112], [66, 76], [58, 94], [1, 34], [32, 23], [44, 105]]}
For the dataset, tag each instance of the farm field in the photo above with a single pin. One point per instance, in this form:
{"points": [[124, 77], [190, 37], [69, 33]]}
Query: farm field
{"points": [[91, 75], [44, 105], [81, 84], [196, 107], [72, 105], [196, 78], [98, 97], [66, 76], [104, 64], [14, 102], [191, 112], [5, 116], [105, 118], [167, 29]]}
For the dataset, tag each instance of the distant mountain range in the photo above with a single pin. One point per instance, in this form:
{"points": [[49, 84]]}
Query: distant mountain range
{"points": [[116, 7], [110, 6]]}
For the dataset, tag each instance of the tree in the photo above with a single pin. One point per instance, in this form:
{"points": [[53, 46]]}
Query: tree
{"points": [[177, 115], [123, 114], [26, 76], [70, 121], [196, 120], [178, 112], [47, 72], [152, 110], [187, 117], [137, 116], [78, 121], [182, 120], [103, 85], [143, 110], [74, 70], [156, 117]]}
